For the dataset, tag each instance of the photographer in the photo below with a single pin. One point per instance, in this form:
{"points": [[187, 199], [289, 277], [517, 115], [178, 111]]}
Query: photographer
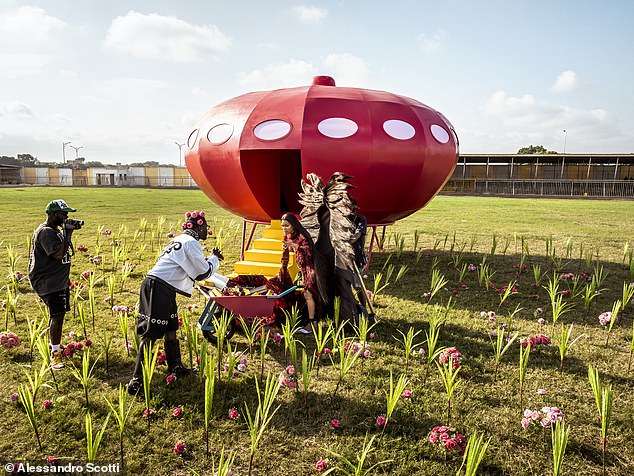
{"points": [[180, 264], [49, 269]]}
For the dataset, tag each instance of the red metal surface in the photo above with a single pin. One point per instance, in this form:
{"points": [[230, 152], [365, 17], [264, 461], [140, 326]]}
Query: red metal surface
{"points": [[247, 306], [259, 179]]}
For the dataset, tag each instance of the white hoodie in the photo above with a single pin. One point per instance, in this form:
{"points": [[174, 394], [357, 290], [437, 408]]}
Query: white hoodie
{"points": [[182, 262]]}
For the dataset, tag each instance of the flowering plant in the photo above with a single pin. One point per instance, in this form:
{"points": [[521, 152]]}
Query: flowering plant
{"points": [[448, 438], [546, 417], [9, 339], [539, 339], [605, 318], [450, 354], [288, 378]]}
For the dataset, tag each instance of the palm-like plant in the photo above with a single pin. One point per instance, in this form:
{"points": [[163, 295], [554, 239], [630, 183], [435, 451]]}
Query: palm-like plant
{"points": [[263, 414], [449, 375], [84, 373], [357, 468], [121, 413]]}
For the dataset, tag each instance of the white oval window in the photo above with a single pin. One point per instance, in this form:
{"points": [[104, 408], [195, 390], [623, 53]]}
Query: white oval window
{"points": [[439, 133], [272, 130], [337, 127], [191, 140], [220, 134], [399, 129]]}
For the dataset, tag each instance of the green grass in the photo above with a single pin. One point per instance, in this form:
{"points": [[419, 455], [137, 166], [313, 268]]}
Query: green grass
{"points": [[299, 435]]}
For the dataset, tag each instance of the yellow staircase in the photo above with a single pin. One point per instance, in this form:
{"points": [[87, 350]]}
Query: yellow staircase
{"points": [[266, 254]]}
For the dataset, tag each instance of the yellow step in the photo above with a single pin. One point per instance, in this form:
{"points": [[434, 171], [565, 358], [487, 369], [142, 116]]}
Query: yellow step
{"points": [[267, 256], [273, 233], [267, 244], [267, 269]]}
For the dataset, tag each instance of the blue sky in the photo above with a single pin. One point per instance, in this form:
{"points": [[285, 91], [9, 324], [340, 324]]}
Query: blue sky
{"points": [[125, 80]]}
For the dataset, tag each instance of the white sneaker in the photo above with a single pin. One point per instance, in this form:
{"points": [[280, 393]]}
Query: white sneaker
{"points": [[56, 360]]}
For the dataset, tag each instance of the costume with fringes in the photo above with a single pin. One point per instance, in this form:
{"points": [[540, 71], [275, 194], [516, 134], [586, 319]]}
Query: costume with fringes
{"points": [[328, 216]]}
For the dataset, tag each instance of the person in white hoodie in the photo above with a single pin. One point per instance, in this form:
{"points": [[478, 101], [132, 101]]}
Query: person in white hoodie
{"points": [[180, 264]]}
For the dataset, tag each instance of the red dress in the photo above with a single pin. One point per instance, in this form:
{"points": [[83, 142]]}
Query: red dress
{"points": [[305, 263]]}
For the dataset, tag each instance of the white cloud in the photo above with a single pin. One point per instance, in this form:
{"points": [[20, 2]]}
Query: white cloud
{"points": [[16, 110], [566, 82], [19, 65], [128, 89], [348, 70], [309, 13], [433, 42], [279, 75], [155, 36], [531, 116], [29, 24]]}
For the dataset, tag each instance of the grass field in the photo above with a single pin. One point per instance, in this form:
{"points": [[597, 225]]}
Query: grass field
{"points": [[506, 240]]}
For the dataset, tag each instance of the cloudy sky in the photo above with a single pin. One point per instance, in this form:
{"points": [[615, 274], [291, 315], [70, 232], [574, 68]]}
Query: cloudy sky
{"points": [[125, 80]]}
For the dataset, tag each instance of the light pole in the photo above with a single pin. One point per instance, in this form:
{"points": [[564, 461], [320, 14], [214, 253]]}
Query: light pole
{"points": [[563, 158], [76, 150], [180, 155], [64, 144]]}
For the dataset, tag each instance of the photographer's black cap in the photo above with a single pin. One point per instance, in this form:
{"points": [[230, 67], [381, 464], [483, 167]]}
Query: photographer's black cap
{"points": [[58, 206]]}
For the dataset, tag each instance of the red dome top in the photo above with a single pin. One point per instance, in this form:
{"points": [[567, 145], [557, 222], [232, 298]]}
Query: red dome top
{"points": [[248, 154]]}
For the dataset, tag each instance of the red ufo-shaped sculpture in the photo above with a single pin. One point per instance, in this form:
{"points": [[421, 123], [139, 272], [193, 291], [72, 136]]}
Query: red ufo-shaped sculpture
{"points": [[250, 153]]}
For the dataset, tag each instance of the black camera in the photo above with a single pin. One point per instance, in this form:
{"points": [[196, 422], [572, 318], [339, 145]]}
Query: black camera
{"points": [[71, 224]]}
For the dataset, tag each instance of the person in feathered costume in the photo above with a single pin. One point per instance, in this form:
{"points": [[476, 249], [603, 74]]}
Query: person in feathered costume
{"points": [[328, 216]]}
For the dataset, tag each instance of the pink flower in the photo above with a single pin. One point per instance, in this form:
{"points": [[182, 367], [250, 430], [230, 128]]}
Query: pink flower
{"points": [[88, 342], [47, 404], [79, 346], [233, 414], [52, 460], [381, 421], [526, 423], [546, 423], [13, 397], [451, 444], [171, 378], [372, 335], [605, 318], [433, 437], [277, 338], [541, 391], [327, 351], [541, 321], [321, 465], [179, 448], [67, 352], [177, 412], [407, 393], [290, 370], [335, 423], [148, 412]]}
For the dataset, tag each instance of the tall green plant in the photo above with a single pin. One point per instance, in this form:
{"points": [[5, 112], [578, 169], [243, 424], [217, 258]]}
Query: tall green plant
{"points": [[559, 436], [121, 413], [408, 344], [525, 352], [147, 367], [210, 383], [259, 421], [473, 454], [449, 375], [348, 468], [393, 395], [500, 346], [93, 441], [565, 344], [345, 362], [26, 398], [84, 373]]}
